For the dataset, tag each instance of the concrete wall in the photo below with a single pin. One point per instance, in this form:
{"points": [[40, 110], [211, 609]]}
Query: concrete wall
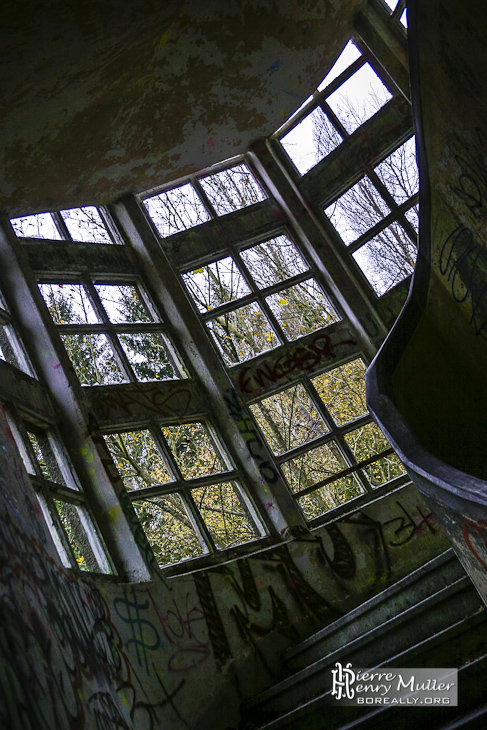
{"points": [[82, 652]]}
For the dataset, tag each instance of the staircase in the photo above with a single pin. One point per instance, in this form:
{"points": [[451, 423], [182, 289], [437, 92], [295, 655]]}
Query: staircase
{"points": [[432, 618]]}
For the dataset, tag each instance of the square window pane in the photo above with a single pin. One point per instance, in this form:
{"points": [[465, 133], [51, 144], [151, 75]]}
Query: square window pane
{"points": [[332, 495], [359, 98], [399, 172], [169, 528], [383, 470], [242, 333], [360, 208], [226, 515], [232, 189], [273, 261], [122, 303], [218, 283], [289, 419], [193, 450], [40, 225], [313, 466], [387, 259], [366, 441], [138, 459], [147, 354], [302, 309], [86, 225], [311, 140], [68, 303], [349, 54], [176, 210], [342, 390], [92, 359]]}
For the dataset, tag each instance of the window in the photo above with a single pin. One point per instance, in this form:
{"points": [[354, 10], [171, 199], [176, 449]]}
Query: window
{"points": [[62, 502], [189, 498], [110, 331], [258, 297], [347, 97], [324, 440], [84, 225], [202, 198]]}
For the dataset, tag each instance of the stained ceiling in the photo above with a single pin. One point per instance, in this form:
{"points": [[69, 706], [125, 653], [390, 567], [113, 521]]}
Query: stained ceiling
{"points": [[102, 98]]}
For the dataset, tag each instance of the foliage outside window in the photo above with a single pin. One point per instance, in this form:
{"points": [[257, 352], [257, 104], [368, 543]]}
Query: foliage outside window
{"points": [[111, 332], [323, 438], [189, 498], [258, 297]]}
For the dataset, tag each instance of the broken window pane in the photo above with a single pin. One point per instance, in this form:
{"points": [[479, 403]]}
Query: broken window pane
{"points": [[138, 459], [86, 225], [40, 225], [218, 283], [311, 140], [360, 208], [193, 450], [359, 98], [223, 509], [176, 210], [342, 390], [232, 189], [302, 309], [387, 259], [399, 172], [169, 528], [289, 419], [313, 466], [147, 354], [122, 303], [273, 261], [349, 54], [92, 359], [68, 303], [330, 496]]}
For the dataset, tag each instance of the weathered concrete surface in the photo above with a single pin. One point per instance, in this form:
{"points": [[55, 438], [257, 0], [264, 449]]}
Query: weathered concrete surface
{"points": [[99, 99], [427, 387], [78, 653]]}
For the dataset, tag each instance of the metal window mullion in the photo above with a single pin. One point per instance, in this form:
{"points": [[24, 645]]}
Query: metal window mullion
{"points": [[203, 196], [176, 485], [61, 226], [319, 403], [344, 76], [109, 226], [199, 525], [59, 491], [380, 70], [17, 425], [304, 448], [272, 318], [228, 307], [165, 452], [326, 108], [120, 356], [352, 460], [355, 468]]}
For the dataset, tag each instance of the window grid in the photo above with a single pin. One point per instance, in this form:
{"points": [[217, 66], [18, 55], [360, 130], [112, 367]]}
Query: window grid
{"points": [[186, 487], [115, 333], [63, 503], [260, 294], [334, 438], [202, 209], [90, 219]]}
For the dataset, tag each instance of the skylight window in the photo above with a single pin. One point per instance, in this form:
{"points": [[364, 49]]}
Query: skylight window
{"points": [[40, 225], [232, 189]]}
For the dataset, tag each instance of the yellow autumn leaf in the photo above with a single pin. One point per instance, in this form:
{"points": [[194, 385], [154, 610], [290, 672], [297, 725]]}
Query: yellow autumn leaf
{"points": [[282, 301], [198, 271]]}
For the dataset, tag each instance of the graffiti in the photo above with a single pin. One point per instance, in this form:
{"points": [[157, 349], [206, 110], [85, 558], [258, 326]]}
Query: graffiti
{"points": [[473, 173], [180, 627], [166, 399], [144, 633], [253, 440], [410, 526], [216, 632], [463, 262], [305, 358], [476, 529], [371, 530], [343, 562]]}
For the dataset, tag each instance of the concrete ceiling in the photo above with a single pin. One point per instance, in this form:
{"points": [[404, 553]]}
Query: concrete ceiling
{"points": [[99, 98]]}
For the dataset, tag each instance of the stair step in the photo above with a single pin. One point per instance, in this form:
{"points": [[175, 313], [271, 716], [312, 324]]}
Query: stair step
{"points": [[310, 714], [429, 578]]}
